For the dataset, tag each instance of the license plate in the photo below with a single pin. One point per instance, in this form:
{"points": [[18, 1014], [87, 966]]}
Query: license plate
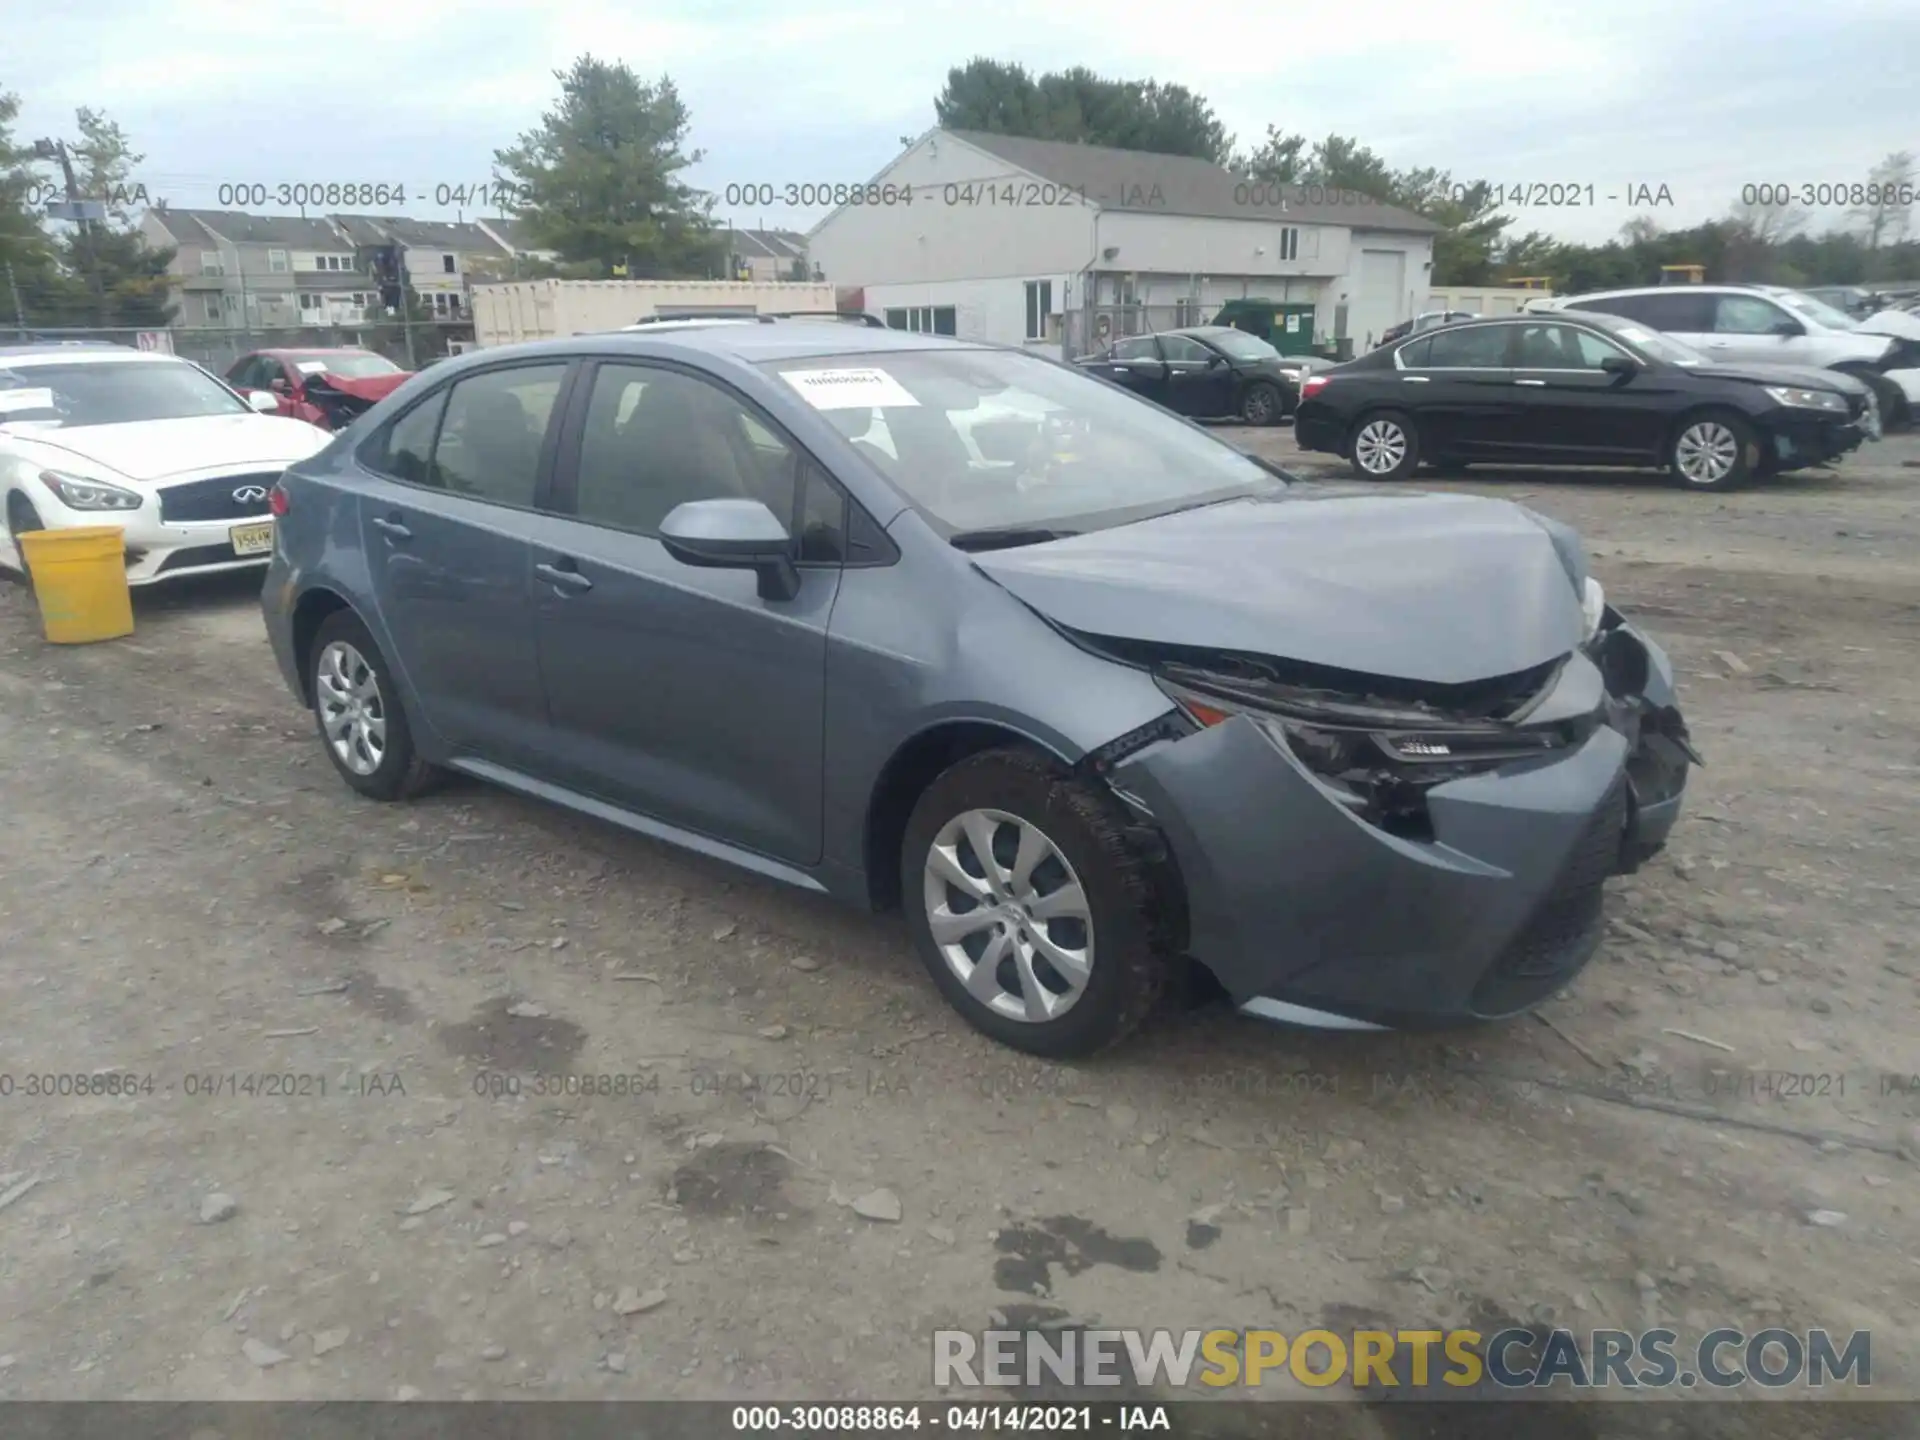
{"points": [[252, 539]]}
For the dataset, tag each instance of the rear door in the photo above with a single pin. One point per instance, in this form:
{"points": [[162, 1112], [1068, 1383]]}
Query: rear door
{"points": [[1684, 313], [1137, 364], [1199, 379], [1570, 411], [444, 518], [1459, 389], [677, 691]]}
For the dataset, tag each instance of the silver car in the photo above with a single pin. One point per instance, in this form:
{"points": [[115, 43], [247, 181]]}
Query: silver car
{"points": [[919, 622]]}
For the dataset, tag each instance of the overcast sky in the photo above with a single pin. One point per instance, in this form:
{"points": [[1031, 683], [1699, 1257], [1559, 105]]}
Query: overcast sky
{"points": [[1701, 96]]}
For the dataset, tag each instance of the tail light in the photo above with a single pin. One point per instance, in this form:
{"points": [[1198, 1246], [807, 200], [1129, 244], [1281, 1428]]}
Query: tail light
{"points": [[1313, 385], [277, 499]]}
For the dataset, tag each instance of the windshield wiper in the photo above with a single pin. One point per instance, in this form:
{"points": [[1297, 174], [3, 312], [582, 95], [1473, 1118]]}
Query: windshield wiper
{"points": [[1006, 538]]}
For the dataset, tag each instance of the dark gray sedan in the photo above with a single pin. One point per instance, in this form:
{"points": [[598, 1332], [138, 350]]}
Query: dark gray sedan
{"points": [[913, 621]]}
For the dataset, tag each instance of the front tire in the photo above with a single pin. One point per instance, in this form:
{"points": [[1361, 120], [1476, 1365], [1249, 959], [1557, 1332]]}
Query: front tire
{"points": [[1029, 908], [356, 705], [1262, 404], [22, 519], [1716, 450], [1384, 446]]}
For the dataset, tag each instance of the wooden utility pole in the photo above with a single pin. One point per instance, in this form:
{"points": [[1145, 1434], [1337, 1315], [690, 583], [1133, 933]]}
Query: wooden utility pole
{"points": [[56, 150]]}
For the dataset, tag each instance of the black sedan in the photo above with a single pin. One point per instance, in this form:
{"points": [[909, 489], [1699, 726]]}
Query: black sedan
{"points": [[1210, 372], [1577, 389]]}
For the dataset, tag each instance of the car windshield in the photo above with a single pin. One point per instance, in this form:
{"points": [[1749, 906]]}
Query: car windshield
{"points": [[117, 392], [1816, 310], [1242, 346], [984, 440], [1655, 346], [353, 364]]}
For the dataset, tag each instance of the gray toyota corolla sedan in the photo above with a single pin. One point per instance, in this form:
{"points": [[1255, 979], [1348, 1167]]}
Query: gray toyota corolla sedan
{"points": [[914, 621]]}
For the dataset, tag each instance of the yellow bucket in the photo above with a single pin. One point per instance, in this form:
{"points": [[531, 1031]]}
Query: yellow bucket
{"points": [[80, 582]]}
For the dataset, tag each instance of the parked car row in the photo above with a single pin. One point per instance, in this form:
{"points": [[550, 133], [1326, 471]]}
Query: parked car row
{"points": [[916, 621], [1579, 387]]}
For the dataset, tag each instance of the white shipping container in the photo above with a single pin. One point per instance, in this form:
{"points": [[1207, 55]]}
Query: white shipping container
{"points": [[508, 312]]}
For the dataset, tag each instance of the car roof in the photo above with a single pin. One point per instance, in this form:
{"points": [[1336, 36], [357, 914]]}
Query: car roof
{"points": [[81, 354], [283, 350], [751, 344]]}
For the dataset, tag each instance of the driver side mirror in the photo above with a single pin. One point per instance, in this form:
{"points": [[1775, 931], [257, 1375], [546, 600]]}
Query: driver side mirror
{"points": [[734, 535], [263, 402], [1787, 329], [1621, 365], [278, 383]]}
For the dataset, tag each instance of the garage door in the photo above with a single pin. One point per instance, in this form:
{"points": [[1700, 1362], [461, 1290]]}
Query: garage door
{"points": [[1382, 298]]}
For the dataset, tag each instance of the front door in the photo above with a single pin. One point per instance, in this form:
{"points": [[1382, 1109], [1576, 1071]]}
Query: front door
{"points": [[677, 691], [1752, 330], [1135, 363], [1199, 379], [1571, 411], [444, 517]]}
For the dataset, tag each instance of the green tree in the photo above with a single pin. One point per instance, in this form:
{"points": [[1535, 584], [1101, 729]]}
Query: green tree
{"points": [[1277, 160], [123, 276], [28, 266], [1077, 105], [1884, 218], [600, 176]]}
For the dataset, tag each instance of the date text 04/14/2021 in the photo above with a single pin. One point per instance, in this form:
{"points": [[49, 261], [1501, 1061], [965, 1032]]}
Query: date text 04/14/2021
{"points": [[957, 1419]]}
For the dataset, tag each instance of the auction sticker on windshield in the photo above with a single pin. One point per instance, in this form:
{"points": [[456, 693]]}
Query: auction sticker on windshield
{"points": [[40, 399], [862, 389]]}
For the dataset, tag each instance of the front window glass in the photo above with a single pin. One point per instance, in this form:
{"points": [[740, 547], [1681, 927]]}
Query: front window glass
{"points": [[1818, 311], [1243, 346], [1746, 315], [985, 440], [120, 392], [1653, 344], [1185, 349]]}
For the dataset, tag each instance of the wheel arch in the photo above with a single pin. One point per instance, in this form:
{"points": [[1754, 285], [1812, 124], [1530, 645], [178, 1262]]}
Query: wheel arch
{"points": [[914, 765], [310, 612]]}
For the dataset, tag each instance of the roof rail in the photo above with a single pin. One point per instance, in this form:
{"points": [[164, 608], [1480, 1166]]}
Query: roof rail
{"points": [[863, 317], [704, 315]]}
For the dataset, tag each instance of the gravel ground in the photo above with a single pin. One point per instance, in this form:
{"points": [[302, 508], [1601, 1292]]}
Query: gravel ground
{"points": [[355, 1165]]}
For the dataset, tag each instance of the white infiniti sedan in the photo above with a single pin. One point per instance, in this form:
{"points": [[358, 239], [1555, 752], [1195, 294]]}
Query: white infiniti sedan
{"points": [[111, 436]]}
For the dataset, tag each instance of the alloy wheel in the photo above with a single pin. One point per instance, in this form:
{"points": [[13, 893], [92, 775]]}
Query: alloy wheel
{"points": [[353, 714], [1257, 408], [1380, 447], [1009, 915], [1706, 453]]}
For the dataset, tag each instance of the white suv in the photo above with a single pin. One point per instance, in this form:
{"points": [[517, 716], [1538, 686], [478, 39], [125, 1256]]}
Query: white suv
{"points": [[1771, 325]]}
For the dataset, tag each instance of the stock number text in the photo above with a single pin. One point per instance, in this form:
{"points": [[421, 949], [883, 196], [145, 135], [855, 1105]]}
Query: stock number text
{"points": [[822, 193], [1817, 195]]}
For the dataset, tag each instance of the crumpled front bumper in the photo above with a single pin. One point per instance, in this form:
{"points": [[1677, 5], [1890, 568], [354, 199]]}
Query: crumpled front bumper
{"points": [[1305, 912]]}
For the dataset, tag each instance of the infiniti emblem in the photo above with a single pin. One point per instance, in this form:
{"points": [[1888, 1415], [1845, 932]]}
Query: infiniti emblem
{"points": [[248, 493]]}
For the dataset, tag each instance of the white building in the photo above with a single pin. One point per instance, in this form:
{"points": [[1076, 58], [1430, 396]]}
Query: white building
{"points": [[1042, 242]]}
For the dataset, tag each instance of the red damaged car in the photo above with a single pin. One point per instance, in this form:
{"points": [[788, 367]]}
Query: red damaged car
{"points": [[327, 388]]}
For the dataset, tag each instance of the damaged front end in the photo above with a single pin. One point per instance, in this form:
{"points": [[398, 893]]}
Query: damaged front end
{"points": [[1481, 821]]}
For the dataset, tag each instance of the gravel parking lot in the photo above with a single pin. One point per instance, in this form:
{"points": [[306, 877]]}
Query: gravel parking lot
{"points": [[476, 1098]]}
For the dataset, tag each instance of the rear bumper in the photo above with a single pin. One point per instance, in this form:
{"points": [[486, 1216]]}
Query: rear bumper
{"points": [[1306, 913], [1313, 430]]}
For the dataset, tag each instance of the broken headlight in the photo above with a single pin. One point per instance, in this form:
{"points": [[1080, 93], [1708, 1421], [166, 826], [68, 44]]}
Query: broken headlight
{"points": [[1380, 772], [1593, 606]]}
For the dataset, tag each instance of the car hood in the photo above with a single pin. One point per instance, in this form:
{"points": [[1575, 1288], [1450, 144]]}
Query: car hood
{"points": [[153, 450], [1443, 589], [1897, 323], [370, 388], [1804, 377]]}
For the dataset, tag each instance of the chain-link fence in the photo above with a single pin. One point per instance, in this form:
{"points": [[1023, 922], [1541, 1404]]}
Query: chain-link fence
{"points": [[1083, 332], [217, 348]]}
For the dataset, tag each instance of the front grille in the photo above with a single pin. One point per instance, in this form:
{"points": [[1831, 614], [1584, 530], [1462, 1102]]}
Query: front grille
{"points": [[214, 499], [1561, 936]]}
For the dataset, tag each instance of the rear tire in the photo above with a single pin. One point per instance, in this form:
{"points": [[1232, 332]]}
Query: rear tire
{"points": [[1713, 450], [1384, 446], [357, 708], [1058, 882]]}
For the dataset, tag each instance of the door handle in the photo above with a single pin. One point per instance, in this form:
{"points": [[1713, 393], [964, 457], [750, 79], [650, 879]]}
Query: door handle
{"points": [[392, 529], [1529, 382], [1416, 379], [569, 580]]}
